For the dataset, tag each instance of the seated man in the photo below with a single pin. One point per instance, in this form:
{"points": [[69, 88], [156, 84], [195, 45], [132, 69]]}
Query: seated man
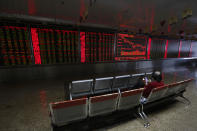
{"points": [[157, 82]]}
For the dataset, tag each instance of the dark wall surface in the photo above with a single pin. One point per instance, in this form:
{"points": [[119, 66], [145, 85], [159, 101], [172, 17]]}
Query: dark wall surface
{"points": [[173, 48], [158, 48], [185, 48], [85, 71]]}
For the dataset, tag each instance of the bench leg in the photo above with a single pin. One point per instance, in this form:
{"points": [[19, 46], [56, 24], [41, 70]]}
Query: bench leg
{"points": [[189, 102], [143, 116]]}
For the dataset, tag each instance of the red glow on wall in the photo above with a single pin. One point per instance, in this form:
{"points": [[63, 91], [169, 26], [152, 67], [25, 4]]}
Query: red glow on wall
{"points": [[163, 75], [149, 47], [184, 23], [36, 46], [180, 45], [14, 27], [82, 9], [31, 7], [82, 41], [166, 50], [152, 18], [169, 28]]}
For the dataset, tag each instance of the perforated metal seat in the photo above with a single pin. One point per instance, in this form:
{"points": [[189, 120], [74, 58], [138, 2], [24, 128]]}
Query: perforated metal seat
{"points": [[80, 88], [183, 85], [157, 93], [103, 104], [103, 85], [134, 79], [120, 82], [129, 99], [172, 89], [64, 112]]}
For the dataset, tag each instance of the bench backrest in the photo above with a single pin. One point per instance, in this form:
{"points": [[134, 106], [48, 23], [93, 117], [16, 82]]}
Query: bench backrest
{"points": [[102, 104], [157, 93], [134, 79], [67, 111], [184, 85], [121, 82], [103, 84], [81, 88], [130, 98], [172, 89], [177, 87]]}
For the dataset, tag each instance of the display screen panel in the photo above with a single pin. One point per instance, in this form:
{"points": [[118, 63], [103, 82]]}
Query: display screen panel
{"points": [[15, 47], [130, 47]]}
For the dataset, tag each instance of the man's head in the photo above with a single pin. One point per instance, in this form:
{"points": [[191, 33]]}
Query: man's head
{"points": [[156, 75]]}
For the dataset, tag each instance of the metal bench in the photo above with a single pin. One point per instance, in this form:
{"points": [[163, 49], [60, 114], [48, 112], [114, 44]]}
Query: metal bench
{"points": [[103, 85], [80, 88], [120, 82], [67, 111], [130, 98], [102, 104]]}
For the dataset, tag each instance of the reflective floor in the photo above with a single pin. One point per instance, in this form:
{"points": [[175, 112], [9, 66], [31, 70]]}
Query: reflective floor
{"points": [[24, 107]]}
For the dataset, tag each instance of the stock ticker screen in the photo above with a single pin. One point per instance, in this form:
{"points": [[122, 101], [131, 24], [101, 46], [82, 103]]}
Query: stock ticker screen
{"points": [[58, 46], [14, 46], [99, 47], [130, 47]]}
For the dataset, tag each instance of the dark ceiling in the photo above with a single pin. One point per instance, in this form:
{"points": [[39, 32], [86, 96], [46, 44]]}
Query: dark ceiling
{"points": [[134, 15]]}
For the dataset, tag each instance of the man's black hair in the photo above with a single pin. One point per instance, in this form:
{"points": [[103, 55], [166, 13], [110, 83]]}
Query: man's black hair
{"points": [[157, 76]]}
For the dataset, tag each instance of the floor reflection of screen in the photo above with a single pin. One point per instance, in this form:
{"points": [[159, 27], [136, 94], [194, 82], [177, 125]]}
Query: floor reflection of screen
{"points": [[130, 47]]}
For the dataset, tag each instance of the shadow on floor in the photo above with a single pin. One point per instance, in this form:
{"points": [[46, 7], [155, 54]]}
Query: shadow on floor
{"points": [[116, 118], [160, 107]]}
